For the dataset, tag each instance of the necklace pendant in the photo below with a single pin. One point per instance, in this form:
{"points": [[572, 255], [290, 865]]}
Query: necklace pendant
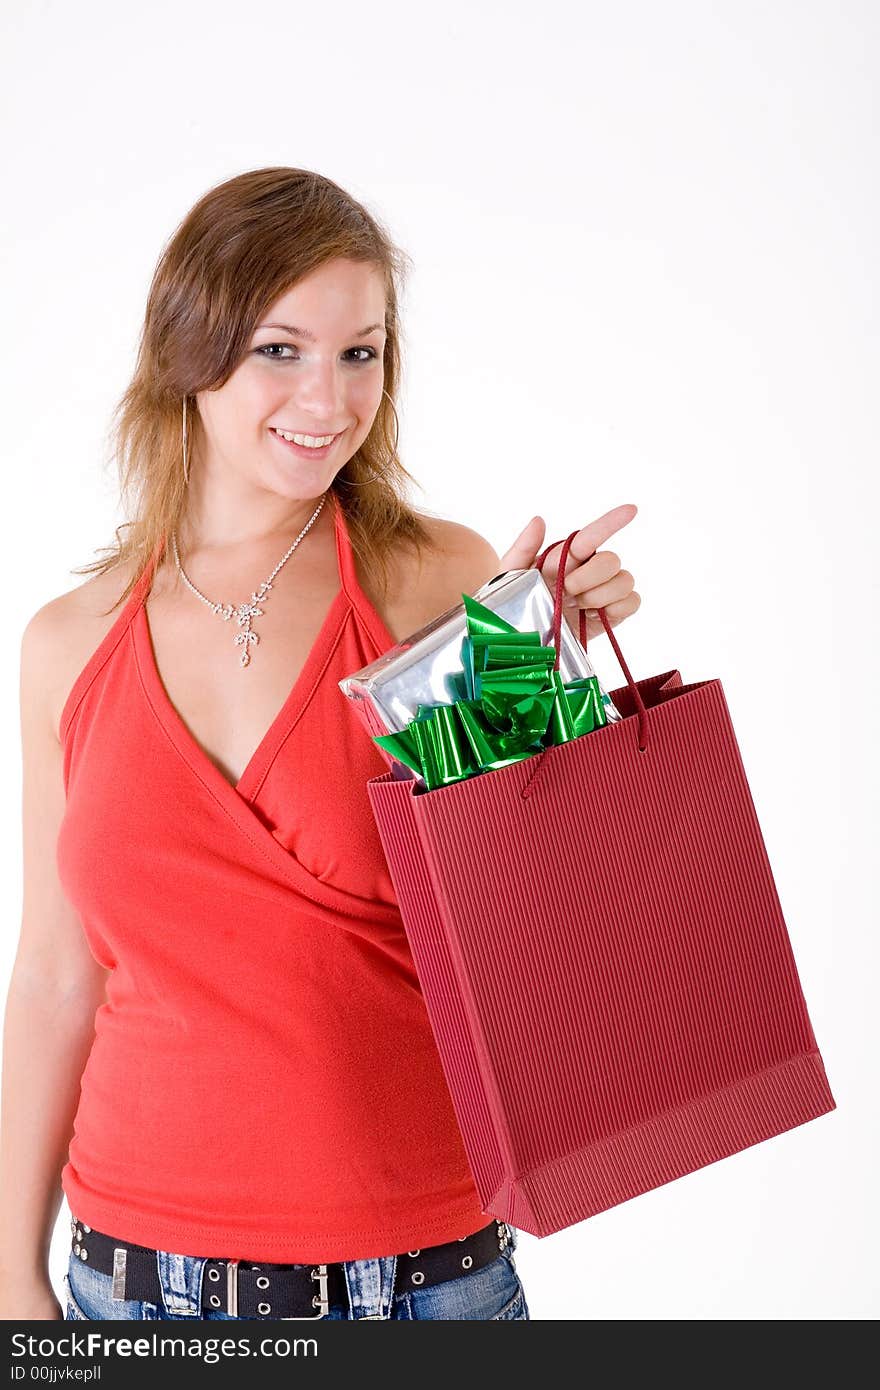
{"points": [[245, 612]]}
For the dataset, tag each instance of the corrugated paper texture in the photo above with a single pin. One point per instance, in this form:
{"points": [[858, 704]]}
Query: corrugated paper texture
{"points": [[604, 960]]}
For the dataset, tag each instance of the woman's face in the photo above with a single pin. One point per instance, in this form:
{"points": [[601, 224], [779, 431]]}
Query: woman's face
{"points": [[314, 366]]}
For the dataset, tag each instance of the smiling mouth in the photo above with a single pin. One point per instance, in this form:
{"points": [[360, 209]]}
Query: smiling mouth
{"points": [[308, 450], [305, 434]]}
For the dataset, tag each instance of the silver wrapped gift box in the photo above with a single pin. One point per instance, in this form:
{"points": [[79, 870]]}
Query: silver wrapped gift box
{"points": [[387, 693]]}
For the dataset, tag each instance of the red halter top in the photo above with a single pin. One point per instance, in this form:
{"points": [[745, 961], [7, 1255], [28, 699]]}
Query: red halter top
{"points": [[263, 1082]]}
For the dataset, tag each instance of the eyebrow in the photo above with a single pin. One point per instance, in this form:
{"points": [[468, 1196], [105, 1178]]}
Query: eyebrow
{"points": [[308, 337]]}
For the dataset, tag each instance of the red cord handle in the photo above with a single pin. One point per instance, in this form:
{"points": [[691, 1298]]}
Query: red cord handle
{"points": [[582, 615]]}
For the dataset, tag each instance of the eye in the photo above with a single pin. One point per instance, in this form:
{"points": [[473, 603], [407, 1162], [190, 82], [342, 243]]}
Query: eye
{"points": [[268, 351]]}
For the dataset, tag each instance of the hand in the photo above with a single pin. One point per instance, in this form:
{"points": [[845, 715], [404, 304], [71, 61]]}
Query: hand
{"points": [[589, 583], [28, 1299]]}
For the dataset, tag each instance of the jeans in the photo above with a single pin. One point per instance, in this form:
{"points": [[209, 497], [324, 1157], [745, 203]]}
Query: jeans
{"points": [[493, 1293]]}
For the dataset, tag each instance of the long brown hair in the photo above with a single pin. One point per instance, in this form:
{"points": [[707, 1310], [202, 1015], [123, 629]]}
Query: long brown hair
{"points": [[242, 245]]}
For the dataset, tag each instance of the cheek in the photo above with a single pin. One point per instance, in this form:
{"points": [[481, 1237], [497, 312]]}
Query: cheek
{"points": [[263, 396], [253, 395], [365, 383], [363, 396]]}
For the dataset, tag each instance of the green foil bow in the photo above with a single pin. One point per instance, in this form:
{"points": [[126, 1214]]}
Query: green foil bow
{"points": [[510, 704]]}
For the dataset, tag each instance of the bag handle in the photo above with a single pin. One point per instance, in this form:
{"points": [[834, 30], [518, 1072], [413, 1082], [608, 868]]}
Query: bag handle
{"points": [[582, 617]]}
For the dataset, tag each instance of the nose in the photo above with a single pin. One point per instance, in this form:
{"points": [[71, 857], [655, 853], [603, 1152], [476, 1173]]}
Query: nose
{"points": [[321, 392]]}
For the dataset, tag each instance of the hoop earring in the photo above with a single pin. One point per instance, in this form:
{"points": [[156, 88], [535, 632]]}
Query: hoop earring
{"points": [[185, 464], [349, 482]]}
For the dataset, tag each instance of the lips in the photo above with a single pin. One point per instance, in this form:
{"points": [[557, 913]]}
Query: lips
{"points": [[303, 450], [309, 434]]}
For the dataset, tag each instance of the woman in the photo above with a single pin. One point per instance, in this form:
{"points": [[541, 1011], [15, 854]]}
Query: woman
{"points": [[213, 990]]}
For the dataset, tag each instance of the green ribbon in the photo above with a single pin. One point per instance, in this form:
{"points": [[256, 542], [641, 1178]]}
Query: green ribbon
{"points": [[509, 704]]}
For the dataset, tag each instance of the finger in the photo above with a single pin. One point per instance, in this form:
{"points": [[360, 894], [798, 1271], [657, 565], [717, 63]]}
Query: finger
{"points": [[623, 608], [522, 552], [601, 567], [614, 612], [600, 595], [595, 533]]}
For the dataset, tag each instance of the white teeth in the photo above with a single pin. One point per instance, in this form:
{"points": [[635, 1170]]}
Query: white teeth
{"points": [[310, 441]]}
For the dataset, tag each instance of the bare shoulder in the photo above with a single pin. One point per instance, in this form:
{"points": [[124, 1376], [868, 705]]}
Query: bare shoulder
{"points": [[426, 585], [60, 637], [462, 546]]}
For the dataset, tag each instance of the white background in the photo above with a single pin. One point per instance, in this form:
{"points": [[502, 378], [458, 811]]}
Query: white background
{"points": [[645, 243]]}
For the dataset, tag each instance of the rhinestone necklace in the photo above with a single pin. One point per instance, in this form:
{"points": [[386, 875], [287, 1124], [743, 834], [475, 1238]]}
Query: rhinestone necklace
{"points": [[245, 612]]}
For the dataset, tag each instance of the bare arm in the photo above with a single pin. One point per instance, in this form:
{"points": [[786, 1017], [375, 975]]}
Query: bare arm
{"points": [[54, 990]]}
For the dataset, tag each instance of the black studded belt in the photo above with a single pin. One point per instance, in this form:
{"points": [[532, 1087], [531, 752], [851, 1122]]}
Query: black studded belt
{"points": [[284, 1291]]}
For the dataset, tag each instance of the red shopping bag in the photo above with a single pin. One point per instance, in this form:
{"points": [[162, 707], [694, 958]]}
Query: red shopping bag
{"points": [[603, 956]]}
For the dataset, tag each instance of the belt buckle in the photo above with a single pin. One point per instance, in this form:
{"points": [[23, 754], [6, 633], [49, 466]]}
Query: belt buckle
{"points": [[120, 1256], [320, 1273], [232, 1288]]}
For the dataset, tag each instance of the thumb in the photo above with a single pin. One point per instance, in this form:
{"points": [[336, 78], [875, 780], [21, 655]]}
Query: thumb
{"points": [[522, 553]]}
